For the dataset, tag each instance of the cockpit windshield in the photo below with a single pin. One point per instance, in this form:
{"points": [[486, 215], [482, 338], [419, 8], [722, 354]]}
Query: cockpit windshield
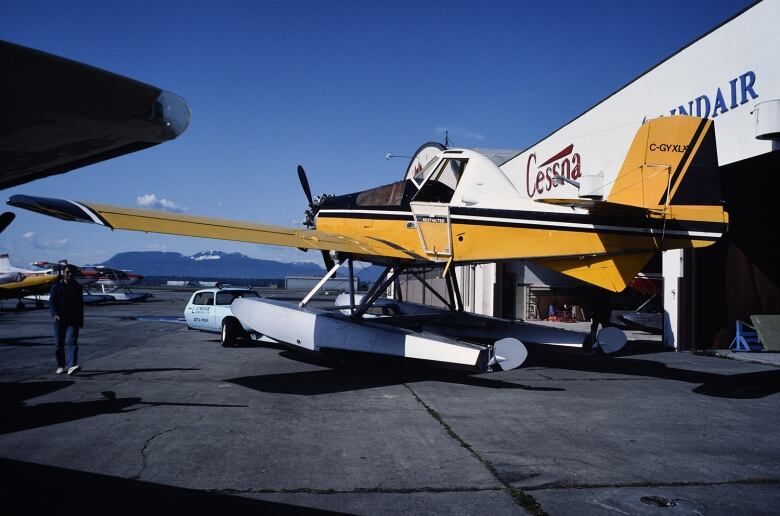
{"points": [[440, 184], [420, 175]]}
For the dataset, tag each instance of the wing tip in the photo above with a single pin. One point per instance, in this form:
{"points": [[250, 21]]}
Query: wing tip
{"points": [[59, 208]]}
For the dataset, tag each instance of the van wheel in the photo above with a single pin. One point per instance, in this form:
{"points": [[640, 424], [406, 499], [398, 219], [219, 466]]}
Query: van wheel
{"points": [[230, 332]]}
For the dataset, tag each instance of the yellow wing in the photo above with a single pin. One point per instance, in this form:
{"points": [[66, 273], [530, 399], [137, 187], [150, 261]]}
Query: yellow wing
{"points": [[153, 221]]}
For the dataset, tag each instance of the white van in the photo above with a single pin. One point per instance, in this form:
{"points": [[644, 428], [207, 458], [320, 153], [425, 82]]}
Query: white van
{"points": [[209, 310]]}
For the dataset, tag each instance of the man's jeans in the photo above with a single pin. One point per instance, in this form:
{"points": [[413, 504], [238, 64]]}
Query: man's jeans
{"points": [[66, 337]]}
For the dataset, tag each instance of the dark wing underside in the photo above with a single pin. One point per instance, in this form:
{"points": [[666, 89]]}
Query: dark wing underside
{"points": [[58, 115]]}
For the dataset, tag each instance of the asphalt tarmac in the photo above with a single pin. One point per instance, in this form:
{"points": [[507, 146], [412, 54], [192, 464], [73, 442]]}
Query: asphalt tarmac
{"points": [[165, 418]]}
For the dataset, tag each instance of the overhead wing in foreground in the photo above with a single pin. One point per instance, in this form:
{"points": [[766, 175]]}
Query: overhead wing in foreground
{"points": [[153, 221], [58, 115]]}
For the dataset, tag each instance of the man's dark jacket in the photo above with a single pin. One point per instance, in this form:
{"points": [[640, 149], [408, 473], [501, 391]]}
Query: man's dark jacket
{"points": [[66, 299]]}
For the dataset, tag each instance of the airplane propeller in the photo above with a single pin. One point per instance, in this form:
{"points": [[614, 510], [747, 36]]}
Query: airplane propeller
{"points": [[329, 263], [305, 185]]}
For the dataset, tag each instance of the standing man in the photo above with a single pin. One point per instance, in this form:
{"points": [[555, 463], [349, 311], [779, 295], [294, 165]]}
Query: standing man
{"points": [[66, 305], [601, 308]]}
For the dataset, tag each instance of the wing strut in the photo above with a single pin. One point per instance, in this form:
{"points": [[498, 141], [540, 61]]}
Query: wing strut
{"points": [[319, 285], [380, 286], [454, 303]]}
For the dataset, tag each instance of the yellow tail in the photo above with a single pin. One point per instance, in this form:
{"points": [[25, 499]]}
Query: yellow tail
{"points": [[672, 162]]}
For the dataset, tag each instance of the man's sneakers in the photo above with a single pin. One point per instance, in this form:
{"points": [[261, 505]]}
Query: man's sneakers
{"points": [[74, 369], [60, 370]]}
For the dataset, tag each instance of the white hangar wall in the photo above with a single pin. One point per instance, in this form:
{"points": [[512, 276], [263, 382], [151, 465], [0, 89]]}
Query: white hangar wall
{"points": [[722, 76]]}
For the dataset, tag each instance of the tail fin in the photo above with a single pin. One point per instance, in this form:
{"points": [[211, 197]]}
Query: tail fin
{"points": [[5, 263], [672, 161]]}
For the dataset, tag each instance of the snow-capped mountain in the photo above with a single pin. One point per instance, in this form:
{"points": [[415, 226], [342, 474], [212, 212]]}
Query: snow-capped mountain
{"points": [[207, 255]]}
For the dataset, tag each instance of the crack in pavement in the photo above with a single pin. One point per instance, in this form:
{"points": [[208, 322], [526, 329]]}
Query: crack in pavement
{"points": [[521, 498], [137, 476]]}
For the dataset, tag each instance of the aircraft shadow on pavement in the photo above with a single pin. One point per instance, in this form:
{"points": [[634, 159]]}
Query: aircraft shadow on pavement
{"points": [[19, 416], [29, 341], [248, 343], [737, 386], [90, 493], [100, 372], [365, 372], [641, 347]]}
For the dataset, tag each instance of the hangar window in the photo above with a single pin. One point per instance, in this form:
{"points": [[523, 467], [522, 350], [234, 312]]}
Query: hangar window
{"points": [[204, 298]]}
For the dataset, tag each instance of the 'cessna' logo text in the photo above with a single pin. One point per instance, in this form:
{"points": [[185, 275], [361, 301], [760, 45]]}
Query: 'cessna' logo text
{"points": [[539, 179], [667, 147]]}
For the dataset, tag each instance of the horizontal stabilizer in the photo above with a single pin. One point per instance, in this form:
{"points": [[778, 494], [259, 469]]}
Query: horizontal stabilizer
{"points": [[596, 207]]}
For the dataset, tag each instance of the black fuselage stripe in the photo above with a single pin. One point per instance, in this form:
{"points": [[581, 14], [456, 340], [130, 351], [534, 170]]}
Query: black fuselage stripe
{"points": [[601, 225], [514, 217]]}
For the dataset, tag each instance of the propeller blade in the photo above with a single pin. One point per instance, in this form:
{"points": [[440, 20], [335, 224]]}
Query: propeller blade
{"points": [[305, 185], [329, 263]]}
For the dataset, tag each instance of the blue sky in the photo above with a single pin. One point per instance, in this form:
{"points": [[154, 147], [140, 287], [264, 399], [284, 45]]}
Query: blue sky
{"points": [[333, 86]]}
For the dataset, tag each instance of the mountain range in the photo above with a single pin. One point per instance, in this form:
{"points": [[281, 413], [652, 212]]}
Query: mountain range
{"points": [[208, 264], [219, 264]]}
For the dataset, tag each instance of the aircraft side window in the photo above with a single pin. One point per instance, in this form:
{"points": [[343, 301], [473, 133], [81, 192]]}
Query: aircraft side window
{"points": [[387, 195]]}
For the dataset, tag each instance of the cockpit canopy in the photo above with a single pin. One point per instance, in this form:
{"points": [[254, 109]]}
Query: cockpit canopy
{"points": [[436, 182]]}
